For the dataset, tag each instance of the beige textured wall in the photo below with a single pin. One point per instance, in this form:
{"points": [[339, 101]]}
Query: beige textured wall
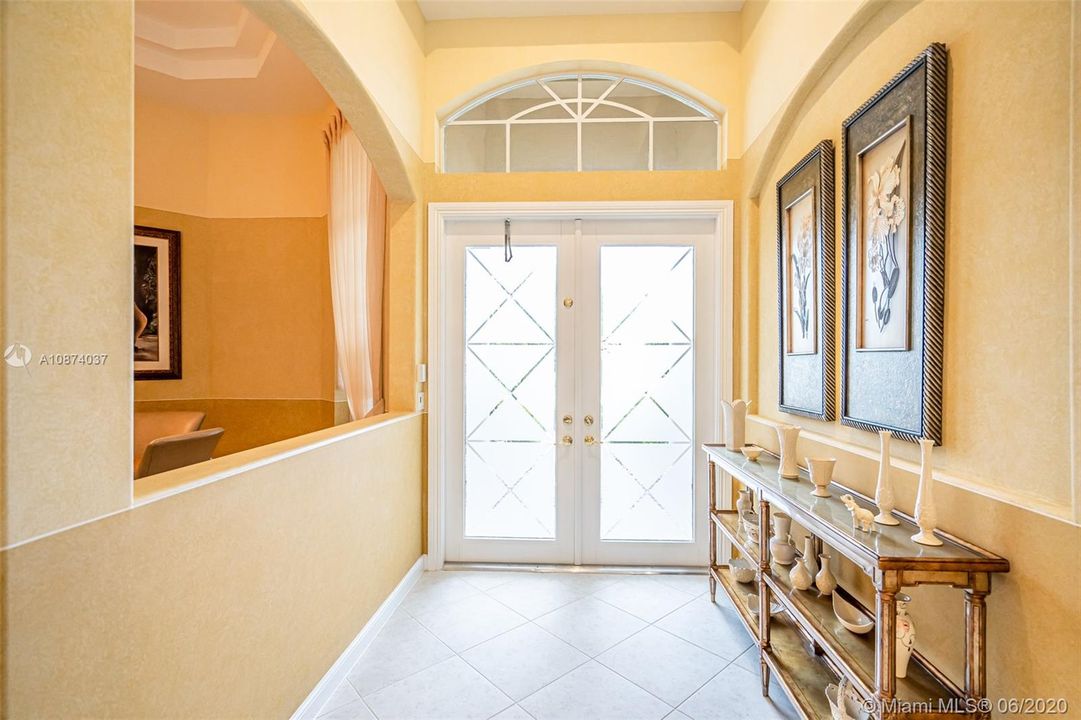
{"points": [[227, 601], [66, 261], [1006, 406]]}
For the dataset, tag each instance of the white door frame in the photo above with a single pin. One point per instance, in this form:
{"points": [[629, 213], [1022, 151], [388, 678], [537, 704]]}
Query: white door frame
{"points": [[438, 216]]}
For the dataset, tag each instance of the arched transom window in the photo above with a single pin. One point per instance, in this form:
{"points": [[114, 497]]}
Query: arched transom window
{"points": [[581, 122]]}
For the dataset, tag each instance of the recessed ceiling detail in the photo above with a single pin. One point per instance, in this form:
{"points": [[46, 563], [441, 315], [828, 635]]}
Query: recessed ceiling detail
{"points": [[200, 40]]}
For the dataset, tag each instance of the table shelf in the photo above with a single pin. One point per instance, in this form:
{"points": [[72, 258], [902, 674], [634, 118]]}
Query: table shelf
{"points": [[808, 647]]}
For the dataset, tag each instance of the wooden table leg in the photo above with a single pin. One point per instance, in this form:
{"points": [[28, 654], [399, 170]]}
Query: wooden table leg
{"points": [[975, 643], [712, 531], [764, 595], [886, 636]]}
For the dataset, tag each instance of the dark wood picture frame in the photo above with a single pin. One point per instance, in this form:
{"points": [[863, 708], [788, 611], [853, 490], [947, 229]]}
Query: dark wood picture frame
{"points": [[160, 369], [806, 380], [899, 388]]}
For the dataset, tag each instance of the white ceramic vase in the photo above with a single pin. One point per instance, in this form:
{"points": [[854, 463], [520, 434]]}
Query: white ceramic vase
{"points": [[745, 502], [824, 580], [821, 474], [926, 515], [799, 577], [788, 436], [782, 550], [735, 423], [884, 490], [906, 637]]}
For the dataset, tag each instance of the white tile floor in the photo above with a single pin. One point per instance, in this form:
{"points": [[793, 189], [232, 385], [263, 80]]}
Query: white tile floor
{"points": [[558, 646]]}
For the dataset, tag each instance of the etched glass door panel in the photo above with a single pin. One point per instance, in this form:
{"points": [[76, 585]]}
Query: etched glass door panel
{"points": [[510, 393], [647, 413]]}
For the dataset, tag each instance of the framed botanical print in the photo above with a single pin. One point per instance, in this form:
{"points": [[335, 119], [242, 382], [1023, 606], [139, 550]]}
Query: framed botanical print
{"points": [[156, 339], [893, 151], [805, 285]]}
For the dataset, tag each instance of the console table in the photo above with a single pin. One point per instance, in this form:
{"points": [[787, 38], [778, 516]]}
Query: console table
{"points": [[805, 647]]}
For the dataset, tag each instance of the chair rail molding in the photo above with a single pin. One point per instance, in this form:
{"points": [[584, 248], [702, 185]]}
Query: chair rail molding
{"points": [[1018, 498], [438, 216]]}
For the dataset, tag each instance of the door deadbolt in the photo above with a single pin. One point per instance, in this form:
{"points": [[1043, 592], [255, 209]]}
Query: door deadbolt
{"points": [[568, 302]]}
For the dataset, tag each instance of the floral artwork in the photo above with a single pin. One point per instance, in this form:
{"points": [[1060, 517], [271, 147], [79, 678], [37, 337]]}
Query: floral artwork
{"points": [[885, 243], [801, 269]]}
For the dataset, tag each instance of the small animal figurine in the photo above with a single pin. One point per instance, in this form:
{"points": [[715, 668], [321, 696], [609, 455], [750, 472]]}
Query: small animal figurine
{"points": [[861, 518]]}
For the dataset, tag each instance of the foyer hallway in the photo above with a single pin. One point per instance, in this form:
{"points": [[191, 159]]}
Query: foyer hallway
{"points": [[558, 646]]}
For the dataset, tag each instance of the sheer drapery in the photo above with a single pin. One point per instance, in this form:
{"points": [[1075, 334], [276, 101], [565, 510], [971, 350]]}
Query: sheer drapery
{"points": [[357, 225]]}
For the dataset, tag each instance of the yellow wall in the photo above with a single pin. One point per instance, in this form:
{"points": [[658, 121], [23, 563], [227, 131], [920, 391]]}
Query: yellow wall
{"points": [[697, 51], [382, 41], [780, 41], [66, 261], [227, 601], [1007, 444]]}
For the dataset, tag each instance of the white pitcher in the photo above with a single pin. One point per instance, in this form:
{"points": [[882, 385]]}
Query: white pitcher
{"points": [[788, 436], [735, 423]]}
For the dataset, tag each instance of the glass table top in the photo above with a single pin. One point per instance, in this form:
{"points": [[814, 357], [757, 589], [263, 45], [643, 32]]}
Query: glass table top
{"points": [[882, 542]]}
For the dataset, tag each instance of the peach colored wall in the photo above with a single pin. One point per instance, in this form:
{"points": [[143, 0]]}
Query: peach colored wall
{"points": [[230, 165], [256, 315]]}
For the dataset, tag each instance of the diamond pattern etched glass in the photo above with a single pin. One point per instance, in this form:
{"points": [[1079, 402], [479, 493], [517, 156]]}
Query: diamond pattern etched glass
{"points": [[510, 392], [647, 393]]}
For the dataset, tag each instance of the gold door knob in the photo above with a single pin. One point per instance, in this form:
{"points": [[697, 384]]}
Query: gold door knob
{"points": [[568, 302], [567, 419], [588, 419], [590, 440], [566, 440]]}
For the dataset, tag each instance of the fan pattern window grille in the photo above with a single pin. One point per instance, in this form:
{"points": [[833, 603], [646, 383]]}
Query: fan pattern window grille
{"points": [[581, 122]]}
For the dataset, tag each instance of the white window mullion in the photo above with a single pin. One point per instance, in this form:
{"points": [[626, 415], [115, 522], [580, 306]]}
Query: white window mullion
{"points": [[651, 145], [578, 121]]}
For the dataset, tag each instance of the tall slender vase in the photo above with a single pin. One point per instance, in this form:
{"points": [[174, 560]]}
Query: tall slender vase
{"points": [[926, 515], [735, 423], [788, 436], [884, 491], [808, 560]]}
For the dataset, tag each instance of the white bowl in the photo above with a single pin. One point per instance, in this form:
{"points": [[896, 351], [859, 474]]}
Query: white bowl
{"points": [[851, 616], [742, 570], [751, 452], [775, 608]]}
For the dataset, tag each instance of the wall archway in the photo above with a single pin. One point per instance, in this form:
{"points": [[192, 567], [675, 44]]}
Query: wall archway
{"points": [[289, 20]]}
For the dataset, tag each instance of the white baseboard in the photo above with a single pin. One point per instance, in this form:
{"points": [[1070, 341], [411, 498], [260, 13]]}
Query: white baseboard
{"points": [[341, 667]]}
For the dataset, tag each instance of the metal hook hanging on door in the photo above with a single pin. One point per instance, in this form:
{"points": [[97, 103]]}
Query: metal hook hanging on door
{"points": [[507, 253]]}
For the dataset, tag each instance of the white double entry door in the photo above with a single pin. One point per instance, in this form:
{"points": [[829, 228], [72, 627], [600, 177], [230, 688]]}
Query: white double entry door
{"points": [[581, 376]]}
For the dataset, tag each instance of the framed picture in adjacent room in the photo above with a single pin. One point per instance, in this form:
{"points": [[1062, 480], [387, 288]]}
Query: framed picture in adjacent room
{"points": [[156, 336], [893, 154], [805, 285]]}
